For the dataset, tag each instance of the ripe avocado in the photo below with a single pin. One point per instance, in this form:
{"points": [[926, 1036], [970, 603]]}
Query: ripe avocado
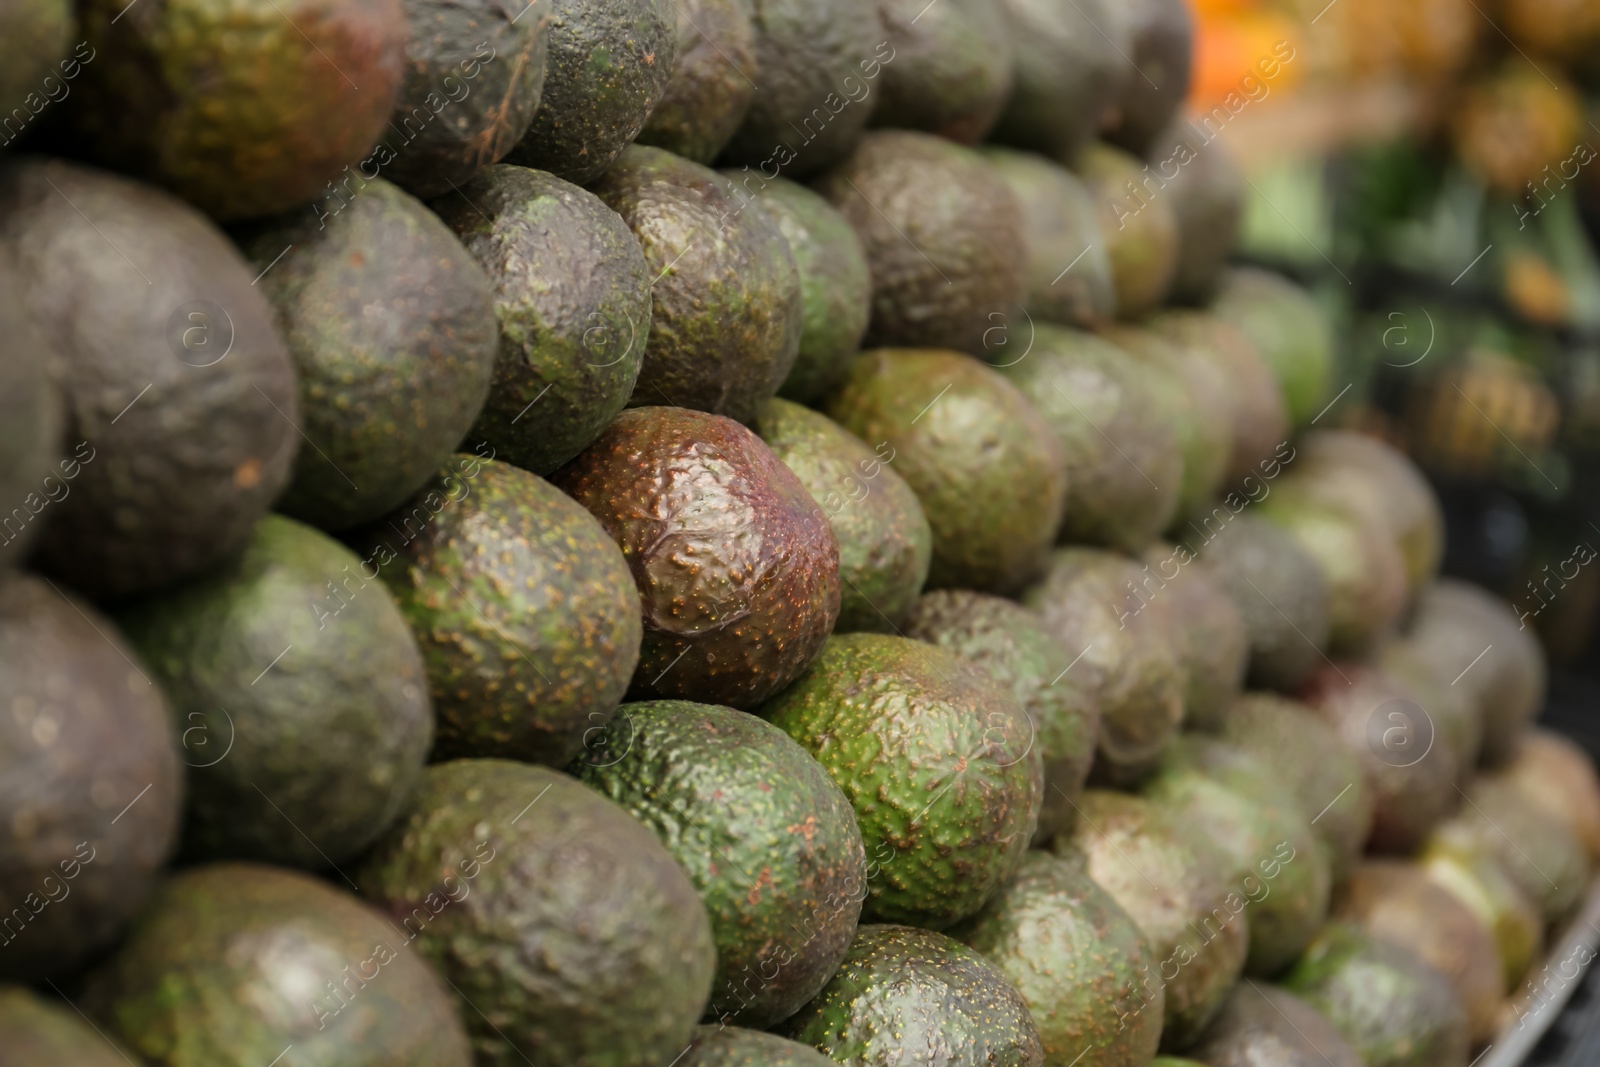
{"points": [[1453, 712], [1288, 329], [885, 544], [1140, 228], [713, 83], [1208, 633], [951, 73], [942, 233], [34, 36], [989, 473], [174, 481], [1081, 964], [232, 962], [1543, 856], [524, 611], [902, 988], [732, 558], [1455, 861], [766, 837], [935, 756], [1263, 1024], [1207, 190], [38, 1031], [1555, 774], [1161, 52], [305, 715], [392, 328], [1070, 63], [730, 1046], [31, 419], [726, 300], [572, 294]]}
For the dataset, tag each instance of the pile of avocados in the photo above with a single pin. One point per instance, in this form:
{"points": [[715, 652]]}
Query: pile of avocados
{"points": [[713, 533]]}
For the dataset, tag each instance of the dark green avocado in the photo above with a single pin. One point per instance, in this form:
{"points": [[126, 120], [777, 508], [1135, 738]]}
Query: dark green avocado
{"points": [[1208, 632], [567, 930], [736, 568], [1160, 51], [765, 835], [1265, 1024], [1289, 330], [1140, 227], [901, 989], [300, 696], [522, 606], [1070, 64], [572, 294], [36, 36], [938, 761], [730, 1046], [1207, 190], [713, 83], [34, 1030], [952, 67], [33, 464]]}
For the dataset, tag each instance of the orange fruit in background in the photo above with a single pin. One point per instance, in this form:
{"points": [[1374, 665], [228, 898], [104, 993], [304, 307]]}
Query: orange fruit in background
{"points": [[1229, 49]]}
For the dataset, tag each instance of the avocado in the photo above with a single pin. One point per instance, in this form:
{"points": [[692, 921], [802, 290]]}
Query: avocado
{"points": [[609, 65], [938, 761], [951, 73], [38, 37], [571, 933], [1456, 862], [981, 459], [1394, 1009], [1263, 1024], [1288, 329], [169, 483], [726, 300], [766, 837], [713, 83], [885, 544], [900, 988], [522, 606], [1207, 189], [732, 558], [1454, 713], [1543, 856], [1012, 644], [1139, 225], [236, 109], [730, 1046], [1208, 634], [32, 468], [572, 295], [1553, 773], [234, 962], [941, 231], [1161, 50], [39, 1031], [1081, 964], [1070, 58], [1090, 602], [392, 328], [1124, 464], [300, 694]]}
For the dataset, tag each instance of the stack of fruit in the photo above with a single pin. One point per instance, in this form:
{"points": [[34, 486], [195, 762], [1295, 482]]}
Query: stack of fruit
{"points": [[934, 748]]}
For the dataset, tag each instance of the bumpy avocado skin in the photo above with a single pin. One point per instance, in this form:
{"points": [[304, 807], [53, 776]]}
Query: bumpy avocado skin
{"points": [[1208, 631], [764, 834], [736, 567], [568, 926], [300, 695], [32, 465], [726, 300], [1266, 1024], [1011, 643], [608, 66], [385, 396], [989, 473], [35, 1030], [885, 545], [901, 988], [1290, 331], [572, 295], [1069, 69], [1080, 962], [936, 759], [1161, 51], [730, 1046], [1207, 190], [1141, 232], [522, 606], [713, 83], [232, 962], [952, 67]]}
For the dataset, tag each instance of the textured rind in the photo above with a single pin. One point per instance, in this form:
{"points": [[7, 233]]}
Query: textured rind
{"points": [[392, 329], [1290, 331], [1208, 633], [764, 834], [952, 67], [902, 988], [1141, 234], [736, 567], [572, 295], [714, 81], [86, 732], [937, 761], [307, 762], [1161, 51], [523, 608], [31, 419], [34, 1030], [232, 962], [730, 1046], [578, 938], [1069, 70], [1262, 1024]]}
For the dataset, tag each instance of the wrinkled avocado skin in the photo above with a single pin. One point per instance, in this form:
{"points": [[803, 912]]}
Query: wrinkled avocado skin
{"points": [[952, 67], [1070, 66], [713, 83]]}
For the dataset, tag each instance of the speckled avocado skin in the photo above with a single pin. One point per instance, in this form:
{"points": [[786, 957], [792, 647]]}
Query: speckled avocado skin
{"points": [[523, 609], [736, 567], [36, 1030], [936, 759], [33, 463], [572, 295], [554, 912], [902, 988], [731, 1046], [713, 83], [764, 834], [307, 762], [384, 397], [885, 545], [1266, 1024], [1080, 962], [952, 67], [1069, 68]]}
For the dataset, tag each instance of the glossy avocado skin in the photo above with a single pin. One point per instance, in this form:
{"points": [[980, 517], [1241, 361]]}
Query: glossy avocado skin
{"points": [[764, 834], [902, 988], [1069, 69], [736, 567], [952, 67], [713, 83], [1264, 1023], [36, 1030], [731, 1046], [33, 462], [572, 296]]}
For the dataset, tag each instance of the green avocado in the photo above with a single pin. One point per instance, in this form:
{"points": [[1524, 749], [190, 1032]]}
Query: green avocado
{"points": [[1208, 633], [236, 962], [523, 608], [730, 1046], [885, 545], [989, 473], [1289, 330], [1207, 190], [39, 1031], [713, 83], [33, 470], [1070, 63], [572, 295], [1160, 51], [1139, 225], [300, 694], [1542, 856], [901, 988], [1455, 715], [570, 933], [35, 39], [938, 762], [385, 394], [1455, 860], [952, 67], [1263, 1024]]}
